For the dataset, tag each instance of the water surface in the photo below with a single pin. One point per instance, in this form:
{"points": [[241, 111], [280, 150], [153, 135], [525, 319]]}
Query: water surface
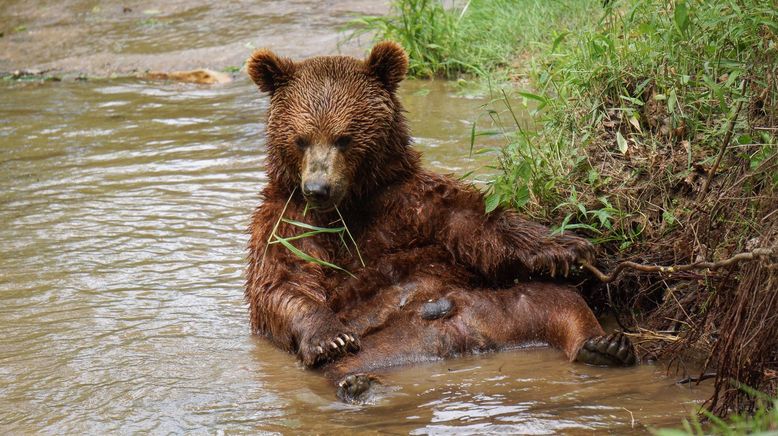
{"points": [[123, 207]]}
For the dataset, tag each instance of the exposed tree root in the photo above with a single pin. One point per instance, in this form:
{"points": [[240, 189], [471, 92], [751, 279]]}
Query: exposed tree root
{"points": [[740, 257]]}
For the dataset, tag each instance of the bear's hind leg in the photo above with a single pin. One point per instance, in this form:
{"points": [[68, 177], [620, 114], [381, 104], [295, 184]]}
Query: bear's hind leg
{"points": [[548, 312], [574, 329]]}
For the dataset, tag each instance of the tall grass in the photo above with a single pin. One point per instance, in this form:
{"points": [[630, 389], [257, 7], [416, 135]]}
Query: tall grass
{"points": [[652, 76], [658, 139], [475, 37]]}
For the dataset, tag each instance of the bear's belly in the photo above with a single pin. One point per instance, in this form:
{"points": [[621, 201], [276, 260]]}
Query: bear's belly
{"points": [[426, 294]]}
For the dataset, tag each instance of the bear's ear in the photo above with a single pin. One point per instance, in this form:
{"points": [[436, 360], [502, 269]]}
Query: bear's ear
{"points": [[269, 71], [389, 63]]}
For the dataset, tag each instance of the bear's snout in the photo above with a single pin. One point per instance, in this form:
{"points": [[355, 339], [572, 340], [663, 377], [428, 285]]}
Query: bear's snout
{"points": [[323, 178], [318, 191]]}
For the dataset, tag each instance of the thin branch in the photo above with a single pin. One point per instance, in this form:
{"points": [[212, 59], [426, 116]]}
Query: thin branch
{"points": [[741, 257], [724, 146], [690, 379]]}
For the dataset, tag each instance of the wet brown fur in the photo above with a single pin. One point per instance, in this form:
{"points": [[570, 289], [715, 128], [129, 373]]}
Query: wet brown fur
{"points": [[423, 236]]}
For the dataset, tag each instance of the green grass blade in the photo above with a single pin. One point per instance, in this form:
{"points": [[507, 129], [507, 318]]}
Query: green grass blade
{"points": [[296, 237], [311, 227], [307, 257], [356, 247]]}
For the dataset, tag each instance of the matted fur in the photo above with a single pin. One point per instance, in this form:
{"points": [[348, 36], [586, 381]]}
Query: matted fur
{"points": [[423, 236]]}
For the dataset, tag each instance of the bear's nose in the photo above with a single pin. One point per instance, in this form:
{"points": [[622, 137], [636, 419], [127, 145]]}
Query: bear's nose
{"points": [[317, 191]]}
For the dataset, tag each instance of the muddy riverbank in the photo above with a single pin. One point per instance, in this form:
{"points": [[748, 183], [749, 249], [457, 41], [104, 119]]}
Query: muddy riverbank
{"points": [[119, 38]]}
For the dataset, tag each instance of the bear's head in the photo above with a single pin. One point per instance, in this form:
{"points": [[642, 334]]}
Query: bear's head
{"points": [[335, 128]]}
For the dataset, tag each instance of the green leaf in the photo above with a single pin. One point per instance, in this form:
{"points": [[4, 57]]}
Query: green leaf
{"points": [[593, 176], [562, 226], [307, 257], [744, 139], [524, 171], [668, 217], [681, 16], [466, 175], [633, 100], [558, 40], [295, 237], [604, 216], [310, 227], [670, 432], [531, 96], [522, 196], [622, 143], [635, 123], [578, 226], [348, 232], [491, 202], [472, 138]]}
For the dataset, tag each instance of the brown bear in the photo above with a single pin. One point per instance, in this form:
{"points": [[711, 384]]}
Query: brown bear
{"points": [[432, 276]]}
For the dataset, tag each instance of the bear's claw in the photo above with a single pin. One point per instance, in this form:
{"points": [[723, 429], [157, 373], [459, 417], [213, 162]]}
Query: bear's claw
{"points": [[612, 350], [353, 388], [330, 349]]}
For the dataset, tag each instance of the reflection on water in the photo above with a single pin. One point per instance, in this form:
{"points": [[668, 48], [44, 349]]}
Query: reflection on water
{"points": [[122, 213]]}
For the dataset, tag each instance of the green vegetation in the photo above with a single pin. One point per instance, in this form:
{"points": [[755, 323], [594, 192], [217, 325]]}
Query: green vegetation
{"points": [[655, 135], [652, 80], [657, 139], [764, 421], [476, 37], [311, 231]]}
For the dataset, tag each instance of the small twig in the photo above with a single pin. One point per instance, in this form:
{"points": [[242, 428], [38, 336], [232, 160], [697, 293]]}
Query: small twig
{"points": [[691, 379], [740, 257], [724, 146], [631, 416]]}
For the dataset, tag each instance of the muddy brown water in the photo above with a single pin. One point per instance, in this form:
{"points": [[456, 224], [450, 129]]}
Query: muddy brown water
{"points": [[123, 205], [123, 209]]}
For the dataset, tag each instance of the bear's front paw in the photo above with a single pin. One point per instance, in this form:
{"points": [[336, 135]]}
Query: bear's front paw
{"points": [[327, 347], [575, 251]]}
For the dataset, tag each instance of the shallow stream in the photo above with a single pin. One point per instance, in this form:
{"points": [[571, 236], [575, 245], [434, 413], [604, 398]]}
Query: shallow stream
{"points": [[123, 205]]}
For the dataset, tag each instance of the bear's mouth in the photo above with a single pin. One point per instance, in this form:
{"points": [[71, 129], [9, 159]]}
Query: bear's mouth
{"points": [[328, 207], [323, 204]]}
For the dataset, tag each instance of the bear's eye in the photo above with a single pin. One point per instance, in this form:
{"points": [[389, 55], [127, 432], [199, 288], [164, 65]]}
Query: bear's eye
{"points": [[343, 141], [301, 142]]}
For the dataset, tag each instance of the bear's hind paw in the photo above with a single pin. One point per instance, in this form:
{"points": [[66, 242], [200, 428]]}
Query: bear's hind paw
{"points": [[612, 350], [355, 388]]}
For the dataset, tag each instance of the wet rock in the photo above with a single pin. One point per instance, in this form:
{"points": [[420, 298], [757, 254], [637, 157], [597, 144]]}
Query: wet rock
{"points": [[200, 76]]}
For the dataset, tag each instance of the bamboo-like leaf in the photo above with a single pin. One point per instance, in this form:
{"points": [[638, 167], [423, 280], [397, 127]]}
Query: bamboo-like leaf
{"points": [[295, 237], [356, 247], [311, 227], [307, 257]]}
